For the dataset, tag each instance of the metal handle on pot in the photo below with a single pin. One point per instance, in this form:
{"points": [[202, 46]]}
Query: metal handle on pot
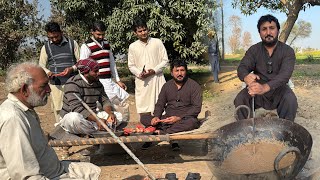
{"points": [[240, 107], [292, 168]]}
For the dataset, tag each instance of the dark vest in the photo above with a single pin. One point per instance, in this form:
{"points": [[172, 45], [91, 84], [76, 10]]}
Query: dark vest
{"points": [[60, 57], [102, 56]]}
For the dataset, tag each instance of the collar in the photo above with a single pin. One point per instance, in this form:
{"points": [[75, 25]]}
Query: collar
{"points": [[100, 44], [64, 40], [149, 38], [13, 98]]}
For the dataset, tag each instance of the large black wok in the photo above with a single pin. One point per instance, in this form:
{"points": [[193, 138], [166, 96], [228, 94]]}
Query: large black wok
{"points": [[230, 136]]}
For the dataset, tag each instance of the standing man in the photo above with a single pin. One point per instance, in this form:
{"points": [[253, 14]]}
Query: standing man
{"points": [[76, 119], [98, 48], [24, 150], [181, 100], [213, 51], [58, 57], [272, 63], [147, 57]]}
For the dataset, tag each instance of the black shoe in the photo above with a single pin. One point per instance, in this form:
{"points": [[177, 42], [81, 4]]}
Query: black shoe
{"points": [[175, 147], [171, 176], [193, 176], [146, 145]]}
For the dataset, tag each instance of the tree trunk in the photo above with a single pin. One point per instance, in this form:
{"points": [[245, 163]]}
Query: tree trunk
{"points": [[292, 16], [222, 32]]}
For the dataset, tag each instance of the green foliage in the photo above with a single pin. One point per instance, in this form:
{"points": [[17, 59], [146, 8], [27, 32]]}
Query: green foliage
{"points": [[19, 27], [181, 25]]}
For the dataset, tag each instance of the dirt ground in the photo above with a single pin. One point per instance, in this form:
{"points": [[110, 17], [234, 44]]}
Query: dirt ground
{"points": [[193, 156]]}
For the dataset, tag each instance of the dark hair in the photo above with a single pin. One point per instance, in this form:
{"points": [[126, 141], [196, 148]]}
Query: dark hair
{"points": [[178, 63], [268, 18], [98, 26], [138, 22], [52, 27]]}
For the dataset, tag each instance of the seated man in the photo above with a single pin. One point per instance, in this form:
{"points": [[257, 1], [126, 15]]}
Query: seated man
{"points": [[76, 119], [24, 150], [272, 63], [181, 100]]}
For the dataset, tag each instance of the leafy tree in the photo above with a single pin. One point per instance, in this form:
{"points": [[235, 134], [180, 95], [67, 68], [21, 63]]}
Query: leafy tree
{"points": [[181, 25], [290, 7], [19, 27], [234, 39], [300, 30]]}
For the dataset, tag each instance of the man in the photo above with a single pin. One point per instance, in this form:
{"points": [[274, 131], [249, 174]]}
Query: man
{"points": [[147, 57], [181, 100], [57, 57], [24, 150], [271, 63], [76, 119], [98, 48], [213, 52]]}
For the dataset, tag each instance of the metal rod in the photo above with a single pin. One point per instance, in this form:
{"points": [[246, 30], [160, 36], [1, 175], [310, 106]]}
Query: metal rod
{"points": [[116, 138]]}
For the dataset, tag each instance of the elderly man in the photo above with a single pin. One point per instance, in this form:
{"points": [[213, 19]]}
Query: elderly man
{"points": [[24, 150], [76, 118], [181, 100], [271, 63]]}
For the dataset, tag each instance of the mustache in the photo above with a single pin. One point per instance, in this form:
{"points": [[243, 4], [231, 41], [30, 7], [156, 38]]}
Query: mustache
{"points": [[180, 76], [269, 36]]}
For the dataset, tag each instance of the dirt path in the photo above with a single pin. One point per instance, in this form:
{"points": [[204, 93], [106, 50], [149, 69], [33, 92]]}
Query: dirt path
{"points": [[193, 157]]}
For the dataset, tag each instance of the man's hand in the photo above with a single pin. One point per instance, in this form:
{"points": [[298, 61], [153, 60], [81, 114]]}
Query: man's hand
{"points": [[250, 78], [122, 85], [171, 120], [147, 73], [155, 121], [112, 119], [258, 89]]}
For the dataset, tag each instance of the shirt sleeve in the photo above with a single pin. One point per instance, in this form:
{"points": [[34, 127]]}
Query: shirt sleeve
{"points": [[161, 102], [131, 62], [76, 50], [84, 51], [247, 64], [164, 59], [43, 60], [285, 72], [16, 149], [113, 67]]}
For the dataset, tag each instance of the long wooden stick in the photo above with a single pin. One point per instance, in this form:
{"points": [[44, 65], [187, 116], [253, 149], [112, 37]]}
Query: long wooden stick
{"points": [[116, 138], [129, 139]]}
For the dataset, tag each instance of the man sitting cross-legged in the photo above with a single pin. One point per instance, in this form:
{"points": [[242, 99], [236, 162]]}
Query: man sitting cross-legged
{"points": [[76, 119], [181, 99]]}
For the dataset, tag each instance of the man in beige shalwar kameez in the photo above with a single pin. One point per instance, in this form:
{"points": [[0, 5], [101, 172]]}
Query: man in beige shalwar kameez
{"points": [[147, 57]]}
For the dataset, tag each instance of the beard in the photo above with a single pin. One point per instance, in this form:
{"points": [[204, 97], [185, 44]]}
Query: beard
{"points": [[35, 100], [271, 42], [184, 79]]}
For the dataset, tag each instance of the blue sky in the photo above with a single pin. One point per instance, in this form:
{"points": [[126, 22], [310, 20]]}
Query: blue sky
{"points": [[249, 23]]}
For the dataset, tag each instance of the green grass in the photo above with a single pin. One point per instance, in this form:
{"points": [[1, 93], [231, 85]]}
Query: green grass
{"points": [[305, 73]]}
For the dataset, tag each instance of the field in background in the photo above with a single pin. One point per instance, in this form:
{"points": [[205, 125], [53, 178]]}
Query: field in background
{"points": [[310, 57]]}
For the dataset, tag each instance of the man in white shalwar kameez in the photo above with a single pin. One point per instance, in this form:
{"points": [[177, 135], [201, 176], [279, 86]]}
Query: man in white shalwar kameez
{"points": [[147, 57]]}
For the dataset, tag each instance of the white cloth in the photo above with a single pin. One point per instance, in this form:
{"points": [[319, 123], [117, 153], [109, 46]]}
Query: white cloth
{"points": [[24, 150], [112, 89], [152, 55], [75, 123]]}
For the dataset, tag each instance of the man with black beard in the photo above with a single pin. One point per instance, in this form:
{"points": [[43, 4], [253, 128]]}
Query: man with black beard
{"points": [[266, 68], [24, 150], [181, 99]]}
